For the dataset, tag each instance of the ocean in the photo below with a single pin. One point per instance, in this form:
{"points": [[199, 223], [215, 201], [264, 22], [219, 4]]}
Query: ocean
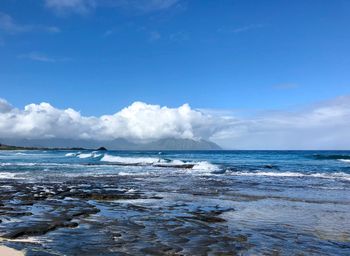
{"points": [[175, 202]]}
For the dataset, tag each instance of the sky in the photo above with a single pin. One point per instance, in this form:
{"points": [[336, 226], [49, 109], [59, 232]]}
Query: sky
{"points": [[247, 74]]}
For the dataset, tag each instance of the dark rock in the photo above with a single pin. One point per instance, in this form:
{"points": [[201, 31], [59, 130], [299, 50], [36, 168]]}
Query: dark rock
{"points": [[101, 149], [38, 229], [104, 196]]}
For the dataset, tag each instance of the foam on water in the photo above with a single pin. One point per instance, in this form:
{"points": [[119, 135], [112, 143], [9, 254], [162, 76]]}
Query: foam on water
{"points": [[205, 166], [88, 155], [71, 154], [85, 155], [9, 175], [18, 164], [200, 166], [130, 160], [338, 175]]}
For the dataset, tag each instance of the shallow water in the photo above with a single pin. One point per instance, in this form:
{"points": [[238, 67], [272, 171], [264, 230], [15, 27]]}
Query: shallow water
{"points": [[176, 203]]}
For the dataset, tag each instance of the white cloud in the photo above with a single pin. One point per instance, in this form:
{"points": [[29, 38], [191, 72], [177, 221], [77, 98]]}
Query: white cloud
{"points": [[146, 5], [78, 6], [324, 125], [154, 36], [9, 25], [241, 29], [138, 122], [37, 56], [4, 106], [86, 6]]}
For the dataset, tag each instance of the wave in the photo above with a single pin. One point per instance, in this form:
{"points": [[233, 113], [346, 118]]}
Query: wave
{"points": [[18, 164], [88, 155], [9, 175], [344, 160], [10, 164], [331, 157], [71, 154], [205, 166], [21, 154], [336, 175], [130, 160], [159, 162]]}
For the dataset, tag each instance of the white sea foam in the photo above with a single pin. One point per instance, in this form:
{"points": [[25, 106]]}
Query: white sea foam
{"points": [[88, 155], [133, 173], [205, 167], [8, 175], [271, 174], [171, 163], [337, 175], [71, 154], [17, 164], [344, 160], [21, 154], [39, 164], [130, 160]]}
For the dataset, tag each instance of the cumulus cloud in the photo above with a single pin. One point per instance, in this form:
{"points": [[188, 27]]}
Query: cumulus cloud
{"points": [[321, 126], [9, 25], [137, 122], [4, 106]]}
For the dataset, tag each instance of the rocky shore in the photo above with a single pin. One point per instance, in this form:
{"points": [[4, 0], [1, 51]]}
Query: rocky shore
{"points": [[95, 216]]}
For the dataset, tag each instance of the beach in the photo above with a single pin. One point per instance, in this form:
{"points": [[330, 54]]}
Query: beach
{"points": [[7, 251]]}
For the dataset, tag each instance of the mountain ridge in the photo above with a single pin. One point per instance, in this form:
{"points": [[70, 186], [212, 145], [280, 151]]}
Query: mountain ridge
{"points": [[116, 144]]}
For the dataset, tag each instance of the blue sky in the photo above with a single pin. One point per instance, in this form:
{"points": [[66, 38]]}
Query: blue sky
{"points": [[256, 74], [100, 56]]}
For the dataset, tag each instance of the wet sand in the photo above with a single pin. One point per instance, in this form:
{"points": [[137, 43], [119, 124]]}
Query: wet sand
{"points": [[7, 251]]}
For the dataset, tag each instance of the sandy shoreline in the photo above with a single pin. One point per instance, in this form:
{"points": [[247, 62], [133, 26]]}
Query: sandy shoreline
{"points": [[7, 251]]}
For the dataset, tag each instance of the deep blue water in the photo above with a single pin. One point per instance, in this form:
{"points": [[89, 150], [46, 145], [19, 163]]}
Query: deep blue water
{"points": [[330, 166], [289, 201]]}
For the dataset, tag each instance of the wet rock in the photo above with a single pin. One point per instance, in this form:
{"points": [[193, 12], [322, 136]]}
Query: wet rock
{"points": [[205, 218], [241, 238], [104, 196], [38, 229]]}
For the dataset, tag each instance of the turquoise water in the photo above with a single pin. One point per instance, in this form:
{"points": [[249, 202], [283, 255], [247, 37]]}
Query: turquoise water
{"points": [[285, 202]]}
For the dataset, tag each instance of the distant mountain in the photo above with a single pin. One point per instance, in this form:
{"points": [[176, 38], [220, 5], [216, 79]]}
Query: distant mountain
{"points": [[182, 144], [117, 144]]}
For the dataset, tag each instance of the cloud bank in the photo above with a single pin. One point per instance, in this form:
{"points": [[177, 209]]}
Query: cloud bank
{"points": [[137, 122], [324, 125]]}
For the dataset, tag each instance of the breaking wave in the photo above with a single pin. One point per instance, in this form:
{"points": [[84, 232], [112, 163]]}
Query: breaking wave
{"points": [[331, 157], [9, 175], [159, 162], [88, 155]]}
